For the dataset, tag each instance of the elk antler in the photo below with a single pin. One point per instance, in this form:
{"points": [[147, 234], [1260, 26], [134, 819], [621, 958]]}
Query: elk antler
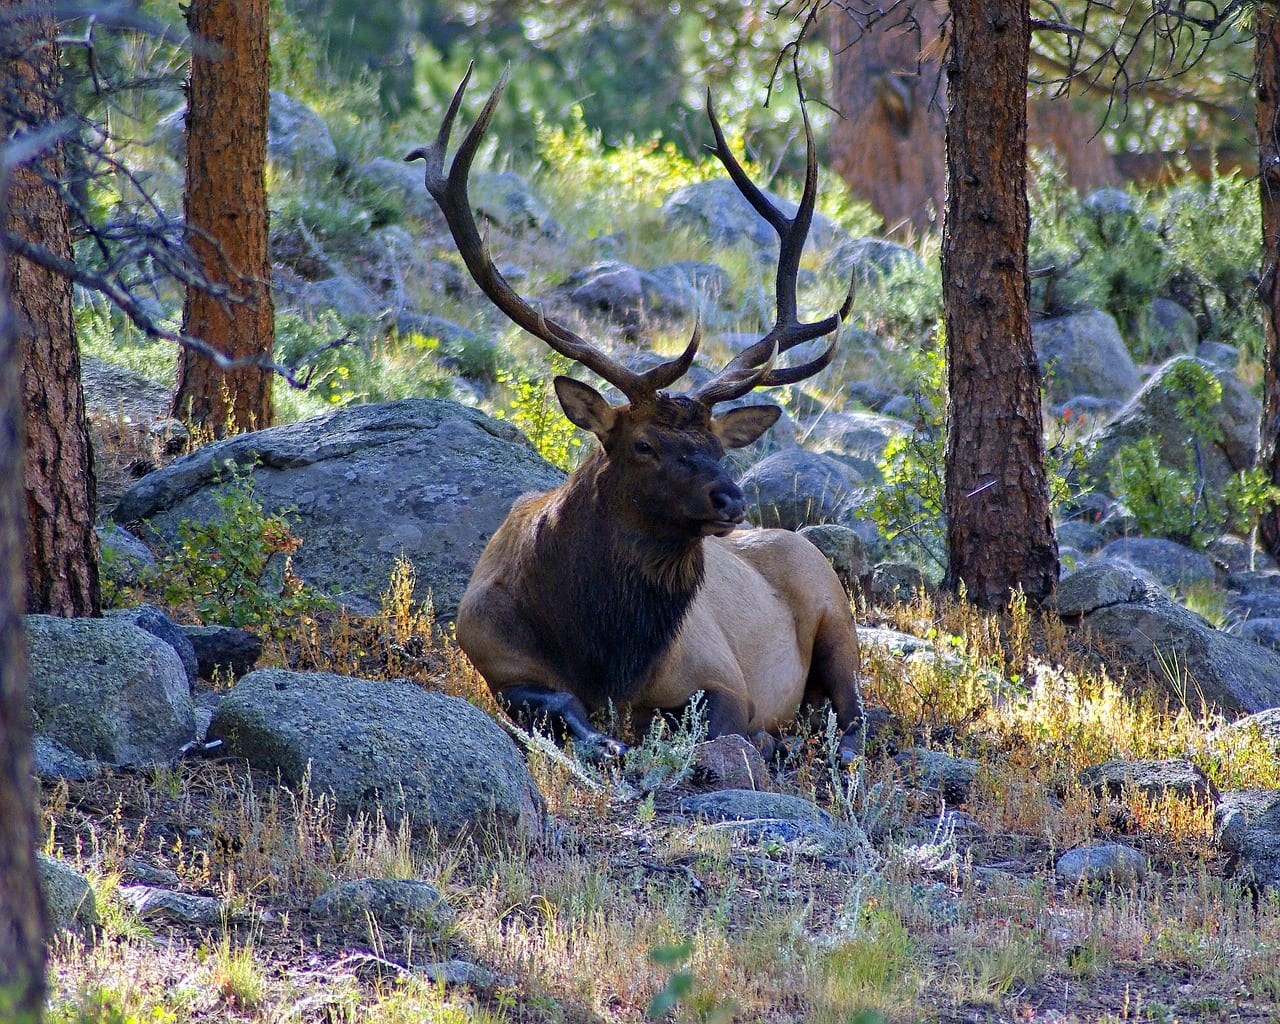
{"points": [[449, 189], [753, 367]]}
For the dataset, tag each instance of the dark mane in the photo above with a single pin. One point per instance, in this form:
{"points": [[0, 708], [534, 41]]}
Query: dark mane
{"points": [[605, 611]]}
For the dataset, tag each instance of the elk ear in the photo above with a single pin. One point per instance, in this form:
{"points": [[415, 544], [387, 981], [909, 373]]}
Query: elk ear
{"points": [[585, 406], [737, 428]]}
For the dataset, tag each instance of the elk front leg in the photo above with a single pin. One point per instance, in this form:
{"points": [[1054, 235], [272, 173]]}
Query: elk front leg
{"points": [[532, 704], [834, 676], [728, 716]]}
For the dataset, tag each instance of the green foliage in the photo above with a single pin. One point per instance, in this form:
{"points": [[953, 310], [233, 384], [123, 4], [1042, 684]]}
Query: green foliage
{"points": [[1157, 495], [1167, 501], [356, 371], [1173, 503], [1213, 235], [532, 408], [1110, 259], [910, 504], [681, 987], [679, 984], [235, 569], [105, 1005]]}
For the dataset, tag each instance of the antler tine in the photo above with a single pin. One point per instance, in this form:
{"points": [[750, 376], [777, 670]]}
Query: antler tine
{"points": [[449, 189], [740, 375]]}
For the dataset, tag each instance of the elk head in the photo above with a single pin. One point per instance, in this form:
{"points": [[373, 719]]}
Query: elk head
{"points": [[666, 447]]}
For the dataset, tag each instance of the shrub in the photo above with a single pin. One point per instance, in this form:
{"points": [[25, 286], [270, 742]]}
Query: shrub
{"points": [[236, 568]]}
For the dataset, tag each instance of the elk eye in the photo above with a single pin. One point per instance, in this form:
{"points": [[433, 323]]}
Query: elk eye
{"points": [[643, 448]]}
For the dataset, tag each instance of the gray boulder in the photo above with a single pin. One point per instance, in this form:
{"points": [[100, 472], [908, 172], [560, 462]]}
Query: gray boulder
{"points": [[425, 479], [938, 773], [1162, 330], [438, 762], [341, 293], [717, 210], [1266, 722], [159, 625], [628, 293], [506, 199], [1247, 825], [107, 690], [1084, 354], [125, 560], [873, 259], [402, 183], [795, 488], [860, 438], [847, 552], [1172, 564], [897, 582], [1151, 778], [157, 903], [225, 651], [68, 899], [1108, 864], [1131, 616], [297, 137], [1152, 413], [1265, 632], [389, 902], [774, 819]]}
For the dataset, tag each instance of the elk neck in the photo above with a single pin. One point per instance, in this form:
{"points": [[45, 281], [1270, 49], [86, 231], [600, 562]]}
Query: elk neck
{"points": [[626, 589]]}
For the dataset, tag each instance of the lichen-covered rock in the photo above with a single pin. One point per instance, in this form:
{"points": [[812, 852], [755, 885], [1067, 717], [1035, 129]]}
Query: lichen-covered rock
{"points": [[1153, 779], [390, 902], [796, 488], [425, 479], [1104, 864], [1153, 412], [68, 899], [106, 689], [1141, 627], [1084, 354], [437, 761]]}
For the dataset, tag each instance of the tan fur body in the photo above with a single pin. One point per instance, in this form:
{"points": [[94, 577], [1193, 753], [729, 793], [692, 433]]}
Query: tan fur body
{"points": [[769, 625]]}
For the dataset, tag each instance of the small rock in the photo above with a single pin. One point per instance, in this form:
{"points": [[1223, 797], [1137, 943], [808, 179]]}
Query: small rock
{"points": [[68, 899], [388, 901], [1152, 778], [730, 762], [152, 903], [935, 772], [1107, 864], [458, 972]]}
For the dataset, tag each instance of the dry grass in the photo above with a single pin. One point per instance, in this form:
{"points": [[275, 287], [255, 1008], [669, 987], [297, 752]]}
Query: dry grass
{"points": [[634, 902]]}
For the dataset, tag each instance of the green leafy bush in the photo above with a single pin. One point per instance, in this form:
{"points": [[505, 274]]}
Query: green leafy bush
{"points": [[532, 408], [1167, 501], [235, 569]]}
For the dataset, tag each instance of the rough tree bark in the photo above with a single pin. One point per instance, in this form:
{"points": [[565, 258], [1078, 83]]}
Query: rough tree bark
{"points": [[999, 528], [226, 210], [1267, 80], [22, 927], [61, 560], [887, 144]]}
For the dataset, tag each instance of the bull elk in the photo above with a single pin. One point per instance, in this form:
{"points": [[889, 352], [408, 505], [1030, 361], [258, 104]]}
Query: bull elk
{"points": [[628, 583]]}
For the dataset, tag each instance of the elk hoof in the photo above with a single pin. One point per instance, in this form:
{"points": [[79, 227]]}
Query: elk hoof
{"points": [[602, 749], [768, 746], [852, 746]]}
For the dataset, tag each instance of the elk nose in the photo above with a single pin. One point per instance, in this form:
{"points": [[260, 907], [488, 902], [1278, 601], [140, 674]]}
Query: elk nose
{"points": [[728, 501]]}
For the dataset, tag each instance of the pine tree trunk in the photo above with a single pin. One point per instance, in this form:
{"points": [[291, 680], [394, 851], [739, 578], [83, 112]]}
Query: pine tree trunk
{"points": [[226, 210], [22, 928], [1267, 79], [999, 529], [61, 492], [887, 143]]}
